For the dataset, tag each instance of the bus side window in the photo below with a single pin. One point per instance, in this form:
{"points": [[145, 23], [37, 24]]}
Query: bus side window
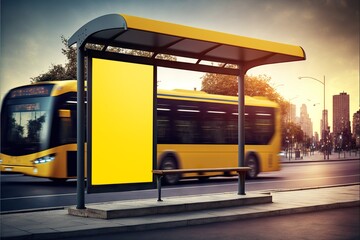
{"points": [[232, 126], [264, 126], [66, 131], [250, 135], [213, 130], [163, 123], [187, 124]]}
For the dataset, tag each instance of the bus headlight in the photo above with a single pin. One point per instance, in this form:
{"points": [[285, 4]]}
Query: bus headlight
{"points": [[45, 159]]}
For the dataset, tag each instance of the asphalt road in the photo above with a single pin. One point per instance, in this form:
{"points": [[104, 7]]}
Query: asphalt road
{"points": [[323, 225], [20, 192]]}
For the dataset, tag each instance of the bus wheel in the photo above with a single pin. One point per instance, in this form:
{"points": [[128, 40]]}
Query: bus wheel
{"points": [[252, 162], [167, 164]]}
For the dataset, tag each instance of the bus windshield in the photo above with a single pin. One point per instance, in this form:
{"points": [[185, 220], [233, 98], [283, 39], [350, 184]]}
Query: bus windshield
{"points": [[26, 126]]}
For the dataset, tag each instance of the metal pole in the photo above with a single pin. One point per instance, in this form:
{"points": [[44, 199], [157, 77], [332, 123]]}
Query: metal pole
{"points": [[241, 128], [324, 127], [324, 94], [80, 189]]}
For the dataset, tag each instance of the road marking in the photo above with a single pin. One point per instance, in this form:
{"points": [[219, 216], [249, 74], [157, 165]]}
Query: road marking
{"points": [[307, 179], [304, 179], [39, 196], [267, 182], [207, 186]]}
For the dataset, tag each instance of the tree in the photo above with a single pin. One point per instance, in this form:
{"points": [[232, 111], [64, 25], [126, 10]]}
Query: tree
{"points": [[60, 72], [253, 86], [219, 84], [291, 133], [228, 85], [34, 128], [71, 56]]}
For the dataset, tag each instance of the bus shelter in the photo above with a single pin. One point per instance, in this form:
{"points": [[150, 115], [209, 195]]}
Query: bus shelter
{"points": [[119, 83]]}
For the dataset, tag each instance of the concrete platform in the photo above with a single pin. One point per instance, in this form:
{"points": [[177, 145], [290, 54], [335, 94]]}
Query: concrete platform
{"points": [[123, 209], [58, 224]]}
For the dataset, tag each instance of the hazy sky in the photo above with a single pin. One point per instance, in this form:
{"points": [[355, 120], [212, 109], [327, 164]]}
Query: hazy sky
{"points": [[328, 31]]}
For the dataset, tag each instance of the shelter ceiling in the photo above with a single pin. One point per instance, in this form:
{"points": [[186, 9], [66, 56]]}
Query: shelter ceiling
{"points": [[166, 38]]}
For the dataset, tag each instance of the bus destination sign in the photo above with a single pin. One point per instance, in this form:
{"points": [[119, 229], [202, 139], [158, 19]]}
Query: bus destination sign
{"points": [[31, 91]]}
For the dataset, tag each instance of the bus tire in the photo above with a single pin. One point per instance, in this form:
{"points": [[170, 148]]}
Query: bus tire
{"points": [[168, 163], [253, 163]]}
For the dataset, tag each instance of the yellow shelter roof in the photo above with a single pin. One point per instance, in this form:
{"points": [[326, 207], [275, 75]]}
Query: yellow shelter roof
{"points": [[168, 38]]}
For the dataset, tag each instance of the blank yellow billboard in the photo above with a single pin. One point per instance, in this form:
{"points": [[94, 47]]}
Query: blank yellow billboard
{"points": [[121, 122]]}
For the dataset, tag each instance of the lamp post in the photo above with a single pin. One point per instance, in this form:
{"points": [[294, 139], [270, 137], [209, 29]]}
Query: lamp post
{"points": [[323, 116]]}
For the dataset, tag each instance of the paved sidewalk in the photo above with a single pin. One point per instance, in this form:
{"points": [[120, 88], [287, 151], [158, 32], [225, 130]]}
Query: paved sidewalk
{"points": [[58, 224], [319, 156]]}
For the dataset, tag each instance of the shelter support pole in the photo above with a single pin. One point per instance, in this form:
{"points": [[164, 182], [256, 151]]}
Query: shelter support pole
{"points": [[80, 189], [241, 128]]}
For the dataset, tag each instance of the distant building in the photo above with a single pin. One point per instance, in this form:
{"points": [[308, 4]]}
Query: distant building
{"points": [[356, 128], [316, 137], [305, 122], [324, 121], [341, 113], [341, 120], [291, 115]]}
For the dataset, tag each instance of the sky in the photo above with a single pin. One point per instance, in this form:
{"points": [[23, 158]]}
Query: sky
{"points": [[328, 31]]}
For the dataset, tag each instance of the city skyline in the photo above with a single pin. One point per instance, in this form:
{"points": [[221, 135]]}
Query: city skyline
{"points": [[328, 31], [343, 120]]}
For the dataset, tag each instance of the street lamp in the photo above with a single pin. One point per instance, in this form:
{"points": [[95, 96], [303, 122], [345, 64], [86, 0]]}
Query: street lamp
{"points": [[323, 114]]}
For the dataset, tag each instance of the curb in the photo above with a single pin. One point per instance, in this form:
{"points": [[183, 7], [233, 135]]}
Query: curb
{"points": [[171, 205], [269, 191], [322, 160], [185, 220], [197, 221]]}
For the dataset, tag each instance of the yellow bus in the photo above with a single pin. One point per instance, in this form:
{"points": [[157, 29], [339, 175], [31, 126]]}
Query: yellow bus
{"points": [[199, 130], [38, 130], [195, 130]]}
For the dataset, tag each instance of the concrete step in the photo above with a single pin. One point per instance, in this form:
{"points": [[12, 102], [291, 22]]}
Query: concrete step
{"points": [[144, 207]]}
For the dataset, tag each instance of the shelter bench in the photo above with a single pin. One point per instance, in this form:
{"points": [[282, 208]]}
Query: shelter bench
{"points": [[159, 173]]}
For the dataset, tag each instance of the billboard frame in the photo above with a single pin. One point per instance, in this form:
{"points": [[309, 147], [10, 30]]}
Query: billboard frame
{"points": [[115, 187]]}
